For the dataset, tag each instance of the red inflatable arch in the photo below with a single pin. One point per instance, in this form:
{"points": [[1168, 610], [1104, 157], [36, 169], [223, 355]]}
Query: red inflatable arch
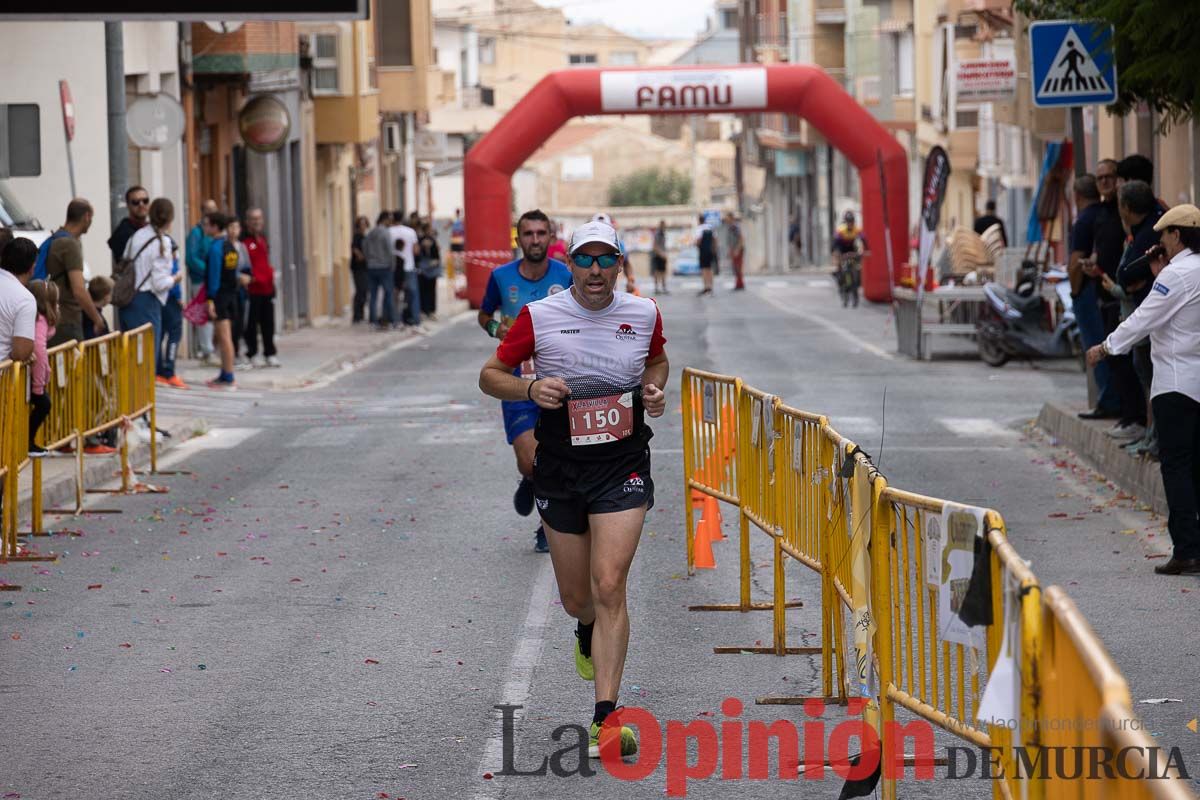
{"points": [[791, 88]]}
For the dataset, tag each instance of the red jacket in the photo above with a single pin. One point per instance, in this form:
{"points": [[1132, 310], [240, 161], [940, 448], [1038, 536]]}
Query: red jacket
{"points": [[262, 274]]}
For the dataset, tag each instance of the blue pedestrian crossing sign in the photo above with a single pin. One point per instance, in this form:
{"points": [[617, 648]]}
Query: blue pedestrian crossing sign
{"points": [[1073, 63]]}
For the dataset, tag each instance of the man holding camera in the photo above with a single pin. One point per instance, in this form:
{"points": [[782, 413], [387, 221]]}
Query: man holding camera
{"points": [[1170, 316]]}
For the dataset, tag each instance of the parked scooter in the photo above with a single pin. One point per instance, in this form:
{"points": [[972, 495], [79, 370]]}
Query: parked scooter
{"points": [[1014, 323]]}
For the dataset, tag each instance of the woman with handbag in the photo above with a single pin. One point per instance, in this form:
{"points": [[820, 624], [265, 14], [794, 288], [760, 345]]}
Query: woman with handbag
{"points": [[151, 250]]}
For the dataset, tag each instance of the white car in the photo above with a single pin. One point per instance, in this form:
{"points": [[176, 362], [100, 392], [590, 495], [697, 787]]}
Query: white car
{"points": [[14, 217]]}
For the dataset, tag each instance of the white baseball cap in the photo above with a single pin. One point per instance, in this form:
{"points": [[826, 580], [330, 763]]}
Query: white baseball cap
{"points": [[594, 231]]}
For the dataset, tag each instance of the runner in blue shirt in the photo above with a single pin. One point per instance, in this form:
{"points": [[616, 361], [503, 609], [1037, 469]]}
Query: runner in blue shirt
{"points": [[510, 287]]}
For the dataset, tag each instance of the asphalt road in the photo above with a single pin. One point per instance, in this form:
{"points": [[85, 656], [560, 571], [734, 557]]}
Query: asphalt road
{"points": [[334, 602]]}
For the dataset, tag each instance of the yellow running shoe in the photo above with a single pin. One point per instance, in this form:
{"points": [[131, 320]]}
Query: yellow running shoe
{"points": [[583, 664], [629, 742]]}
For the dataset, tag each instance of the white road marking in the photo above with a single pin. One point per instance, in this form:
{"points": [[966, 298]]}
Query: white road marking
{"points": [[518, 684], [775, 284], [975, 426], [833, 327]]}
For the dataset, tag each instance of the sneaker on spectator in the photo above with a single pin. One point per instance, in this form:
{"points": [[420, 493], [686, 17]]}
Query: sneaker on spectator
{"points": [[273, 361], [218, 383], [241, 362], [37, 451], [1132, 430], [177, 382], [99, 450], [162, 381]]}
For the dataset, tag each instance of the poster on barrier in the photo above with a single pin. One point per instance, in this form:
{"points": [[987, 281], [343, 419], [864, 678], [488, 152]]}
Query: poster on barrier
{"points": [[1000, 704], [709, 391], [932, 536], [961, 526]]}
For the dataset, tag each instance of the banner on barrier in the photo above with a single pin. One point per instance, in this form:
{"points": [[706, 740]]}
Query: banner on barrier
{"points": [[961, 526]]}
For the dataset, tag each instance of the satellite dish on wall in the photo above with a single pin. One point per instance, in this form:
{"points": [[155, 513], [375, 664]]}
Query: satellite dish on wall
{"points": [[223, 27], [154, 121]]}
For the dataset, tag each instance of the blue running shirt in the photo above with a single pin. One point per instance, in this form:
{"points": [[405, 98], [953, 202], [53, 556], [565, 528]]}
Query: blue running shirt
{"points": [[509, 291]]}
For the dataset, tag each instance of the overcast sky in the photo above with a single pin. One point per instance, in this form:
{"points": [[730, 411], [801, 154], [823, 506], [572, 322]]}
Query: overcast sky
{"points": [[658, 19]]}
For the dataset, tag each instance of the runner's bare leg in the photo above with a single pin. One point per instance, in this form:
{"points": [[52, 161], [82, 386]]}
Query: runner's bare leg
{"points": [[524, 447], [615, 539], [570, 555]]}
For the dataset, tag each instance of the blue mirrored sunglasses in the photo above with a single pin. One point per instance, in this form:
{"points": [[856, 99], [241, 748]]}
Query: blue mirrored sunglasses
{"points": [[606, 261]]}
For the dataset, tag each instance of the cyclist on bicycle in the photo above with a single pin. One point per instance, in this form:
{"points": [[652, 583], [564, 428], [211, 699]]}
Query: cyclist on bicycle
{"points": [[849, 245]]}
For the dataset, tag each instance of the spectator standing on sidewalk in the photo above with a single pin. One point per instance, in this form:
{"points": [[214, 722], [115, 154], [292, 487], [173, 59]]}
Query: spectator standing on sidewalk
{"points": [[737, 249], [261, 290], [18, 308], [1108, 245], [46, 295], [64, 266], [196, 250], [100, 289], [1085, 290], [223, 283], [381, 266], [404, 242], [458, 242], [137, 200], [1139, 211], [1170, 316], [706, 245], [172, 328], [429, 268], [152, 251], [658, 258], [358, 267]]}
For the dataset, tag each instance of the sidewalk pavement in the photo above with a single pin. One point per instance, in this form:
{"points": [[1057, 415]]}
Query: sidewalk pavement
{"points": [[319, 353], [1136, 475]]}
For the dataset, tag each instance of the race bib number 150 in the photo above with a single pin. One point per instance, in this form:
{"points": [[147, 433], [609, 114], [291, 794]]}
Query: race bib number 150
{"points": [[601, 419]]}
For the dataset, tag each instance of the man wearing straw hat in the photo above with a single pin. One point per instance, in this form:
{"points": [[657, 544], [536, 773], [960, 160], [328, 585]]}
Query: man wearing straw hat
{"points": [[600, 365], [1170, 316]]}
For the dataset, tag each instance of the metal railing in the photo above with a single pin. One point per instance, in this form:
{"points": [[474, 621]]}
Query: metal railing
{"points": [[884, 555]]}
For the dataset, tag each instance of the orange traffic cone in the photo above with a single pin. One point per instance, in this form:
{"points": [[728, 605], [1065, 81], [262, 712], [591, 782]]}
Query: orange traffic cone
{"points": [[711, 522], [702, 548]]}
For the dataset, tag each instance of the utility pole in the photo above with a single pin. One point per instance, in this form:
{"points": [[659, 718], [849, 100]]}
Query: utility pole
{"points": [[118, 151]]}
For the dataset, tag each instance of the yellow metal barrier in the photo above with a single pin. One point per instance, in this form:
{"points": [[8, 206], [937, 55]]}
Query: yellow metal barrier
{"points": [[61, 427], [878, 551], [8, 439], [708, 403], [138, 386]]}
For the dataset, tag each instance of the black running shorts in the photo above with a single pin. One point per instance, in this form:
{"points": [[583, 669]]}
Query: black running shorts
{"points": [[568, 490], [225, 304]]}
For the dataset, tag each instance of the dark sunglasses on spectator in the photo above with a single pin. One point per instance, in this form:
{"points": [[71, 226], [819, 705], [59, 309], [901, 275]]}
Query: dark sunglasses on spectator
{"points": [[139, 201], [606, 261]]}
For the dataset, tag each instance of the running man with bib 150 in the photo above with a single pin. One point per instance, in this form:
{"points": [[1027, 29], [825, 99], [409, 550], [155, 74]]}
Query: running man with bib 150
{"points": [[509, 288], [601, 365]]}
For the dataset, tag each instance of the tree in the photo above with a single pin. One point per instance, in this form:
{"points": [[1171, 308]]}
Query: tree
{"points": [[1158, 61], [651, 187]]}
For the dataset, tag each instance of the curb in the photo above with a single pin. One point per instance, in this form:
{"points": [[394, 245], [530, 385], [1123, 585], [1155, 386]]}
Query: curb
{"points": [[1138, 476]]}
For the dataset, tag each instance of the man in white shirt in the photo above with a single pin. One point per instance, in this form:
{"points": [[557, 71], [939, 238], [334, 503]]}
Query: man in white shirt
{"points": [[18, 309], [404, 242], [1170, 316]]}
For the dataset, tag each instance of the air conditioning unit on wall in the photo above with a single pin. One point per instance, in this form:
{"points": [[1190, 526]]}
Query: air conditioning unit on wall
{"points": [[392, 140]]}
